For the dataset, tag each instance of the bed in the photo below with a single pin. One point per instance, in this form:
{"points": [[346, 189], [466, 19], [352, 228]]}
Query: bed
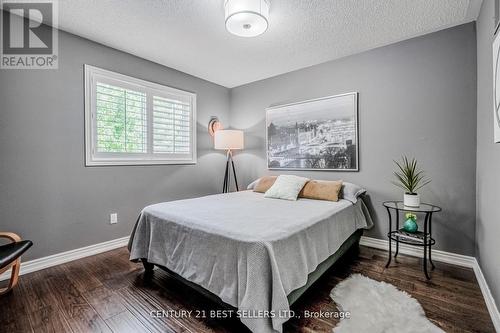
{"points": [[255, 254]]}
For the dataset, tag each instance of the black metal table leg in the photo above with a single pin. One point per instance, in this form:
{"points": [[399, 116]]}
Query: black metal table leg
{"points": [[430, 246], [426, 242], [397, 228], [388, 235]]}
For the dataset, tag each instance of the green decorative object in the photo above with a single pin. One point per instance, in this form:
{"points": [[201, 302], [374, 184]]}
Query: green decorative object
{"points": [[410, 224]]}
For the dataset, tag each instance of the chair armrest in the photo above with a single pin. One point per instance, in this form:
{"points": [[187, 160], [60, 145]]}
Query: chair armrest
{"points": [[10, 235]]}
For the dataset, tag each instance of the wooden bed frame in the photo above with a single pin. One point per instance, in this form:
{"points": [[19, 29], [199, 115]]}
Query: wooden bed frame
{"points": [[351, 243]]}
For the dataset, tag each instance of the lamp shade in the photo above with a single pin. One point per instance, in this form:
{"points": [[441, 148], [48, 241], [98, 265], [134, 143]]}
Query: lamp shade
{"points": [[228, 139]]}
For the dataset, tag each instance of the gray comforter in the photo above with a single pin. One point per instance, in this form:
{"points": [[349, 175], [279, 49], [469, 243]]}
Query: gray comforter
{"points": [[249, 250]]}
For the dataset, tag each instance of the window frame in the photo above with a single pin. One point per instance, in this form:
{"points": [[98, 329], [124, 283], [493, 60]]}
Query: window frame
{"points": [[93, 158]]}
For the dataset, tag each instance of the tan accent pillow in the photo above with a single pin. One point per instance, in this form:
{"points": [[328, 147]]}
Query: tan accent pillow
{"points": [[265, 184], [322, 190]]}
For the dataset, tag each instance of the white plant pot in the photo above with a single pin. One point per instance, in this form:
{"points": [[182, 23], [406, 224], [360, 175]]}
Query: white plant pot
{"points": [[412, 200]]}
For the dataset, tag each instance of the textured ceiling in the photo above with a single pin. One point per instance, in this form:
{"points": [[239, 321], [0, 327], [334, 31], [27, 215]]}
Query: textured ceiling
{"points": [[189, 35]]}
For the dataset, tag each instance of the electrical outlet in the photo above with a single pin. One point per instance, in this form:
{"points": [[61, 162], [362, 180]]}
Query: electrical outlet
{"points": [[113, 218]]}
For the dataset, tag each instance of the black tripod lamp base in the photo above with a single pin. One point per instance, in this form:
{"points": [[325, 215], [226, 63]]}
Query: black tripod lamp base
{"points": [[227, 173]]}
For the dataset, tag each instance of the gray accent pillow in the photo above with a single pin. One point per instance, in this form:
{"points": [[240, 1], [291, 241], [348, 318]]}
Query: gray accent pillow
{"points": [[252, 185], [351, 192]]}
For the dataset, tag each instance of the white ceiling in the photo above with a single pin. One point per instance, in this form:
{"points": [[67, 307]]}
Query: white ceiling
{"points": [[189, 35]]}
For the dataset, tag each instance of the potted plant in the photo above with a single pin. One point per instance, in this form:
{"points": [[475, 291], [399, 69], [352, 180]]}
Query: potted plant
{"points": [[410, 179]]}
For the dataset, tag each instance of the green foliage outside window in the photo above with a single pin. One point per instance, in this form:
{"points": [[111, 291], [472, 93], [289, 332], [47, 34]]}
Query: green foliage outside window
{"points": [[121, 120]]}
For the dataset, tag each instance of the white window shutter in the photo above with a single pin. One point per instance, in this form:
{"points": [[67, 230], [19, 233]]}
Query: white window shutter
{"points": [[171, 126]]}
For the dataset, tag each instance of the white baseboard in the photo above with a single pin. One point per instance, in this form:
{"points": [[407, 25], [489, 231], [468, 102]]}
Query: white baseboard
{"points": [[449, 258], [61, 258], [437, 255], [488, 297]]}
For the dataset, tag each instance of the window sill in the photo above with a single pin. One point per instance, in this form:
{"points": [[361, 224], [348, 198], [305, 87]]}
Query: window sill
{"points": [[137, 163]]}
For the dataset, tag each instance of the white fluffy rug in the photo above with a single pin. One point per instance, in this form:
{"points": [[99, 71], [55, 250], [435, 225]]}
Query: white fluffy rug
{"points": [[378, 307]]}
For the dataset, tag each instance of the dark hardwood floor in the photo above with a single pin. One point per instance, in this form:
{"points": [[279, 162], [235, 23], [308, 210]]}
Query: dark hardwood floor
{"points": [[106, 293]]}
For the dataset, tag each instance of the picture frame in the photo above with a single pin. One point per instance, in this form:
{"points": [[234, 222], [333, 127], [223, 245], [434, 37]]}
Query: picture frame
{"points": [[496, 88], [319, 134], [497, 17]]}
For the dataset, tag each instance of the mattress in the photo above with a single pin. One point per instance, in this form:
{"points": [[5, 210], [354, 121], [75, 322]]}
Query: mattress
{"points": [[249, 250]]}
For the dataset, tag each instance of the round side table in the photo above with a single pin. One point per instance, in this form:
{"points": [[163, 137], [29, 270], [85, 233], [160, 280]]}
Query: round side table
{"points": [[419, 238]]}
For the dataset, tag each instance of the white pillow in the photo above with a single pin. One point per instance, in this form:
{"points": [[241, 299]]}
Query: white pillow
{"points": [[286, 187]]}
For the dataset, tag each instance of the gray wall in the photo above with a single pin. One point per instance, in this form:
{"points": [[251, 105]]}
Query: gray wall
{"points": [[46, 192], [416, 97], [488, 156]]}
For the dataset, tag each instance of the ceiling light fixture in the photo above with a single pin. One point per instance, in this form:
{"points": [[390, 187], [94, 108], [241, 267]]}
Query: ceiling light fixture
{"points": [[247, 18]]}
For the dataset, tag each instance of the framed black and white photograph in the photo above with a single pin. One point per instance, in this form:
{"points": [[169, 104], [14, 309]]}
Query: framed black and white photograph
{"points": [[496, 88], [318, 134]]}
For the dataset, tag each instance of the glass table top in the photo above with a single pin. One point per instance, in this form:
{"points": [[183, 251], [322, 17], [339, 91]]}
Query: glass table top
{"points": [[423, 208]]}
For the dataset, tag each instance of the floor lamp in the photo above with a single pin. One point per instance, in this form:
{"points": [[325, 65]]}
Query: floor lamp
{"points": [[229, 140]]}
